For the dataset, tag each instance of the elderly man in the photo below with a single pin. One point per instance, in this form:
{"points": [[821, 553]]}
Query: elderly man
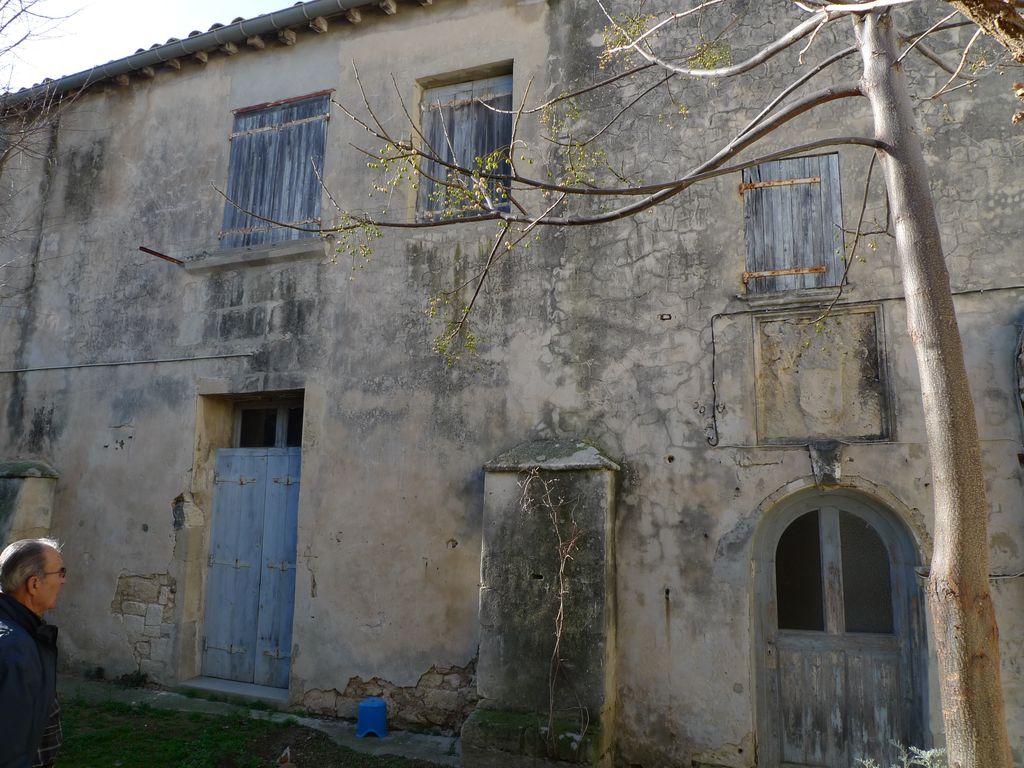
{"points": [[32, 573]]}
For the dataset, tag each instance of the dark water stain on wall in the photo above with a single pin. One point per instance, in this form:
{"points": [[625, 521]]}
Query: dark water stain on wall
{"points": [[693, 537], [85, 165], [16, 409], [16, 402], [293, 317], [127, 404], [9, 487], [224, 289], [43, 430], [250, 322]]}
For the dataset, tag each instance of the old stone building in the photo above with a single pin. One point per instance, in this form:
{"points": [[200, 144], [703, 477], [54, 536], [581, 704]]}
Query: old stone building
{"points": [[266, 478]]}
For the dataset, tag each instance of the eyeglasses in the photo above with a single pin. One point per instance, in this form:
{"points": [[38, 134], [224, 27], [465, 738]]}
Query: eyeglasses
{"points": [[63, 572]]}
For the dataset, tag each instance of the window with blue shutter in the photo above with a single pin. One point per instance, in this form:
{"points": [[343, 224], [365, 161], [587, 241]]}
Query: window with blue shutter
{"points": [[274, 172], [463, 125], [794, 224]]}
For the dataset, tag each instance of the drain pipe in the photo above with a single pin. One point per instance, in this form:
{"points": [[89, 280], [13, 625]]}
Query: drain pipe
{"points": [[237, 32]]}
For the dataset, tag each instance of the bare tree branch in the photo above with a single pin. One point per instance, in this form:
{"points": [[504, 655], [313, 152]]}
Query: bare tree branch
{"points": [[589, 88], [625, 108], [768, 52], [963, 62], [853, 249], [1002, 20], [664, 22], [838, 56], [865, 7], [923, 35]]}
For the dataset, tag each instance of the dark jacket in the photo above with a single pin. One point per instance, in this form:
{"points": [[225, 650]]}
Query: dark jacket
{"points": [[28, 681]]}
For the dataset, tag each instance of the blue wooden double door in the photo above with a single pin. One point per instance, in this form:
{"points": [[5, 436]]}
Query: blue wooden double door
{"points": [[250, 592]]}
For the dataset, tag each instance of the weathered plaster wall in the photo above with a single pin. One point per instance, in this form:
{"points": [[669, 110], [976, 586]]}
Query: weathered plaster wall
{"points": [[663, 290], [605, 333], [294, 325]]}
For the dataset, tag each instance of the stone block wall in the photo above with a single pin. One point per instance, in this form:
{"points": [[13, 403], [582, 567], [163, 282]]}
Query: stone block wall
{"points": [[145, 603], [441, 699]]}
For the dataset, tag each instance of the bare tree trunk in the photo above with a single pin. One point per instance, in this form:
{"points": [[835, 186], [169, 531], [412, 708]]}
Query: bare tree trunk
{"points": [[966, 636]]}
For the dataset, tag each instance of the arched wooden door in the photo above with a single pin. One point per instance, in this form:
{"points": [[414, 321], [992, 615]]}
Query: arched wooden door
{"points": [[839, 636]]}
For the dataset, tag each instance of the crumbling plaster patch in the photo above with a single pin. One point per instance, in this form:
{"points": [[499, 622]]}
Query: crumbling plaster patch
{"points": [[185, 513]]}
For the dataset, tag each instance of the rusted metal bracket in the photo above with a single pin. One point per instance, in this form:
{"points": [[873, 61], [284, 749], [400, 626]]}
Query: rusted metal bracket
{"points": [[779, 183], [748, 276], [279, 102], [159, 255]]}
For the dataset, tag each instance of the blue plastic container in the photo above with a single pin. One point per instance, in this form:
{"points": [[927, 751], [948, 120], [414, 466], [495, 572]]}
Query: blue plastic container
{"points": [[373, 718]]}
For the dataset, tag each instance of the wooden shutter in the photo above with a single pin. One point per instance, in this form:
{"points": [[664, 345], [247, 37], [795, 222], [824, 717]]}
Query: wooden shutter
{"points": [[277, 586], [235, 565], [459, 124], [794, 221], [250, 588], [276, 154]]}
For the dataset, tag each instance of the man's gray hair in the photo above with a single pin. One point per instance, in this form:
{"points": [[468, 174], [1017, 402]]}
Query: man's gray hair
{"points": [[22, 560]]}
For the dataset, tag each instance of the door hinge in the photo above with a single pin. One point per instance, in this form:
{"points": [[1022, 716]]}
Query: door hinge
{"points": [[241, 480], [748, 276], [276, 654], [236, 563], [286, 480], [778, 183], [282, 566], [233, 649]]}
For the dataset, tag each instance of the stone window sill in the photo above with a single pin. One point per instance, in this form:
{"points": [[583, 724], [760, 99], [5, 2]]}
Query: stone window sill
{"points": [[252, 256], [795, 298]]}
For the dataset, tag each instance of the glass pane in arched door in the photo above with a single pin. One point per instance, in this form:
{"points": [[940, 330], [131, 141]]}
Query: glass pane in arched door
{"points": [[836, 667], [867, 584]]}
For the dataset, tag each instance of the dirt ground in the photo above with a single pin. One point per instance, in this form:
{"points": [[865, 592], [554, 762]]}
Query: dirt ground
{"points": [[313, 749]]}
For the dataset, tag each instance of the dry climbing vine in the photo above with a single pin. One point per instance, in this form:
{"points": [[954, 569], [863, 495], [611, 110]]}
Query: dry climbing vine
{"points": [[544, 495]]}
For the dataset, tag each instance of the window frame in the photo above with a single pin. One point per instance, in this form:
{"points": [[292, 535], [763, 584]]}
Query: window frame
{"points": [[482, 84], [282, 406], [793, 225], [293, 190]]}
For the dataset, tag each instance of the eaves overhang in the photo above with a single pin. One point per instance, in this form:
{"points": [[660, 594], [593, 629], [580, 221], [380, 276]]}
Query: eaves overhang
{"points": [[218, 37]]}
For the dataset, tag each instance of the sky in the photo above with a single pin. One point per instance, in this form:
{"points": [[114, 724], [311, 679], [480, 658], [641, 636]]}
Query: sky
{"points": [[84, 33]]}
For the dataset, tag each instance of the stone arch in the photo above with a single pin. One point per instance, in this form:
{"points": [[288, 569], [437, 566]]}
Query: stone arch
{"points": [[853, 486]]}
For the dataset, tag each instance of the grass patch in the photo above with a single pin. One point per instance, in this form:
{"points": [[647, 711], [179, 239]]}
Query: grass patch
{"points": [[116, 735]]}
